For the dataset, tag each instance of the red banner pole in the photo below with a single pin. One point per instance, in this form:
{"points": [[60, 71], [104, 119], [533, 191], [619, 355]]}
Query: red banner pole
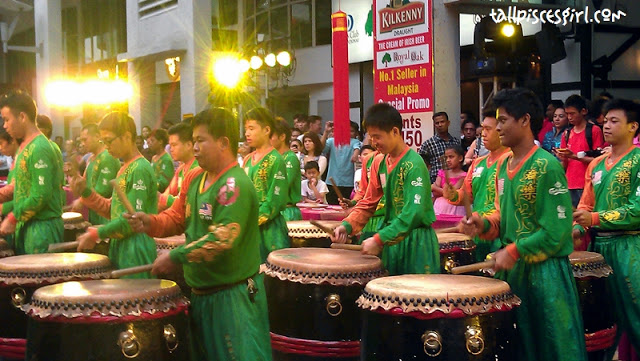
{"points": [[341, 128]]}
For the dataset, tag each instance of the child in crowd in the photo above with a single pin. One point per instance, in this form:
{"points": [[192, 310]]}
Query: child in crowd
{"points": [[314, 190], [453, 157], [364, 153]]}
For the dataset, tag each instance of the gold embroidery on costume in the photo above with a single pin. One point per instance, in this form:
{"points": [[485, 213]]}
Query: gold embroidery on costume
{"points": [[224, 235]]}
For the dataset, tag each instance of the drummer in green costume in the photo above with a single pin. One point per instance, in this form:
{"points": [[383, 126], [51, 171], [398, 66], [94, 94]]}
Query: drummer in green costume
{"points": [[405, 238], [181, 145], [217, 210], [610, 205], [267, 171], [533, 220], [480, 184], [161, 161], [102, 168], [280, 141], [135, 178], [8, 147], [36, 217]]}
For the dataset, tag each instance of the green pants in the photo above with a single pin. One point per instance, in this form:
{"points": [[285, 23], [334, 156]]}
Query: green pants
{"points": [[418, 253], [35, 235], [228, 325], [549, 320], [291, 213], [622, 253], [274, 235], [136, 250], [371, 227]]}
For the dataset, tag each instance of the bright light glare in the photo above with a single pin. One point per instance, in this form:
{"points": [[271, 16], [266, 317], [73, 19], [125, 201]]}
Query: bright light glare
{"points": [[255, 62], [227, 71], [245, 65], [508, 30], [63, 93], [284, 58], [270, 60], [68, 93]]}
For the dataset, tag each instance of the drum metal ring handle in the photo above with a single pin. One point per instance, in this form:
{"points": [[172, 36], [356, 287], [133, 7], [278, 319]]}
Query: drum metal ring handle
{"points": [[18, 297], [170, 337], [334, 307], [475, 342], [449, 264], [432, 343], [129, 344]]}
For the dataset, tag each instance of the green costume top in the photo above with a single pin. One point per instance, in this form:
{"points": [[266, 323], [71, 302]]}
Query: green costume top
{"points": [[38, 171], [163, 169], [230, 252], [380, 209], [171, 193], [270, 181], [7, 207], [294, 177], [536, 198], [99, 172]]}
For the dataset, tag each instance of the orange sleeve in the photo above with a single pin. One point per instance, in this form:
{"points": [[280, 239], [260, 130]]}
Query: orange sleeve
{"points": [[98, 203], [171, 221], [366, 207], [6, 192], [588, 199], [172, 189]]}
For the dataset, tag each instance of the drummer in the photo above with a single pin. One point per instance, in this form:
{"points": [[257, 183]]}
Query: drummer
{"points": [[280, 141], [405, 239], [479, 184], [610, 205], [266, 169], [228, 302], [36, 217], [102, 168], [181, 145], [136, 179], [532, 218]]}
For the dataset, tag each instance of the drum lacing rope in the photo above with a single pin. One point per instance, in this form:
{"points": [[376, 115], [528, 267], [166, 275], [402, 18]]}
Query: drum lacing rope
{"points": [[601, 339], [13, 348], [315, 348]]}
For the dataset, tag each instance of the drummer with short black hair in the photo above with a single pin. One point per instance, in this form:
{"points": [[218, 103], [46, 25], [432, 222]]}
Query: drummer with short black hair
{"points": [[405, 239], [217, 209], [610, 205]]}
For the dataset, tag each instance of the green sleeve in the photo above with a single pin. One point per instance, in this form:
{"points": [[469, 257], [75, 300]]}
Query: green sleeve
{"points": [[42, 165], [553, 213], [627, 216], [107, 171], [140, 191], [414, 195], [294, 177], [7, 207], [164, 172], [276, 197], [170, 200], [231, 223]]}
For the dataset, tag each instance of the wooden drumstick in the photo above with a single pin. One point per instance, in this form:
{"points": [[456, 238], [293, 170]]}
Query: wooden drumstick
{"points": [[447, 230], [351, 247], [336, 189], [130, 271], [322, 227], [443, 162], [473, 267], [467, 205], [63, 246], [123, 197]]}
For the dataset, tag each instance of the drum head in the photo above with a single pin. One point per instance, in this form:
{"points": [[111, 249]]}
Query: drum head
{"points": [[170, 242], [5, 250], [304, 229], [322, 265], [53, 267], [106, 297], [446, 294], [589, 264]]}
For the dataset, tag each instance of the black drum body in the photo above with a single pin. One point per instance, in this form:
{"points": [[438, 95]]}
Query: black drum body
{"points": [[597, 310], [318, 242], [55, 340], [455, 258], [387, 337], [14, 320]]}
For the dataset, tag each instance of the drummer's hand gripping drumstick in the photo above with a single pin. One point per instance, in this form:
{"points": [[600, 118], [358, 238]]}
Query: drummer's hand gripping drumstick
{"points": [[474, 267], [325, 229], [351, 247], [123, 197], [337, 190]]}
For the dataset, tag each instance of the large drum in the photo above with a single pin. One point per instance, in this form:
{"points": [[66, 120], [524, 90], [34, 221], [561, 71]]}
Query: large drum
{"points": [[166, 245], [456, 249], [20, 276], [5, 249], [305, 234], [438, 317], [311, 294], [591, 271], [74, 225], [142, 319]]}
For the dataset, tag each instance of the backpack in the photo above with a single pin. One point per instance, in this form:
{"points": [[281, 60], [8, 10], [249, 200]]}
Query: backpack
{"points": [[588, 134]]}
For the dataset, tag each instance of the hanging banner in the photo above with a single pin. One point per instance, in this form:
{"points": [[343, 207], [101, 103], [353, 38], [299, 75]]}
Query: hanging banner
{"points": [[403, 64]]}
